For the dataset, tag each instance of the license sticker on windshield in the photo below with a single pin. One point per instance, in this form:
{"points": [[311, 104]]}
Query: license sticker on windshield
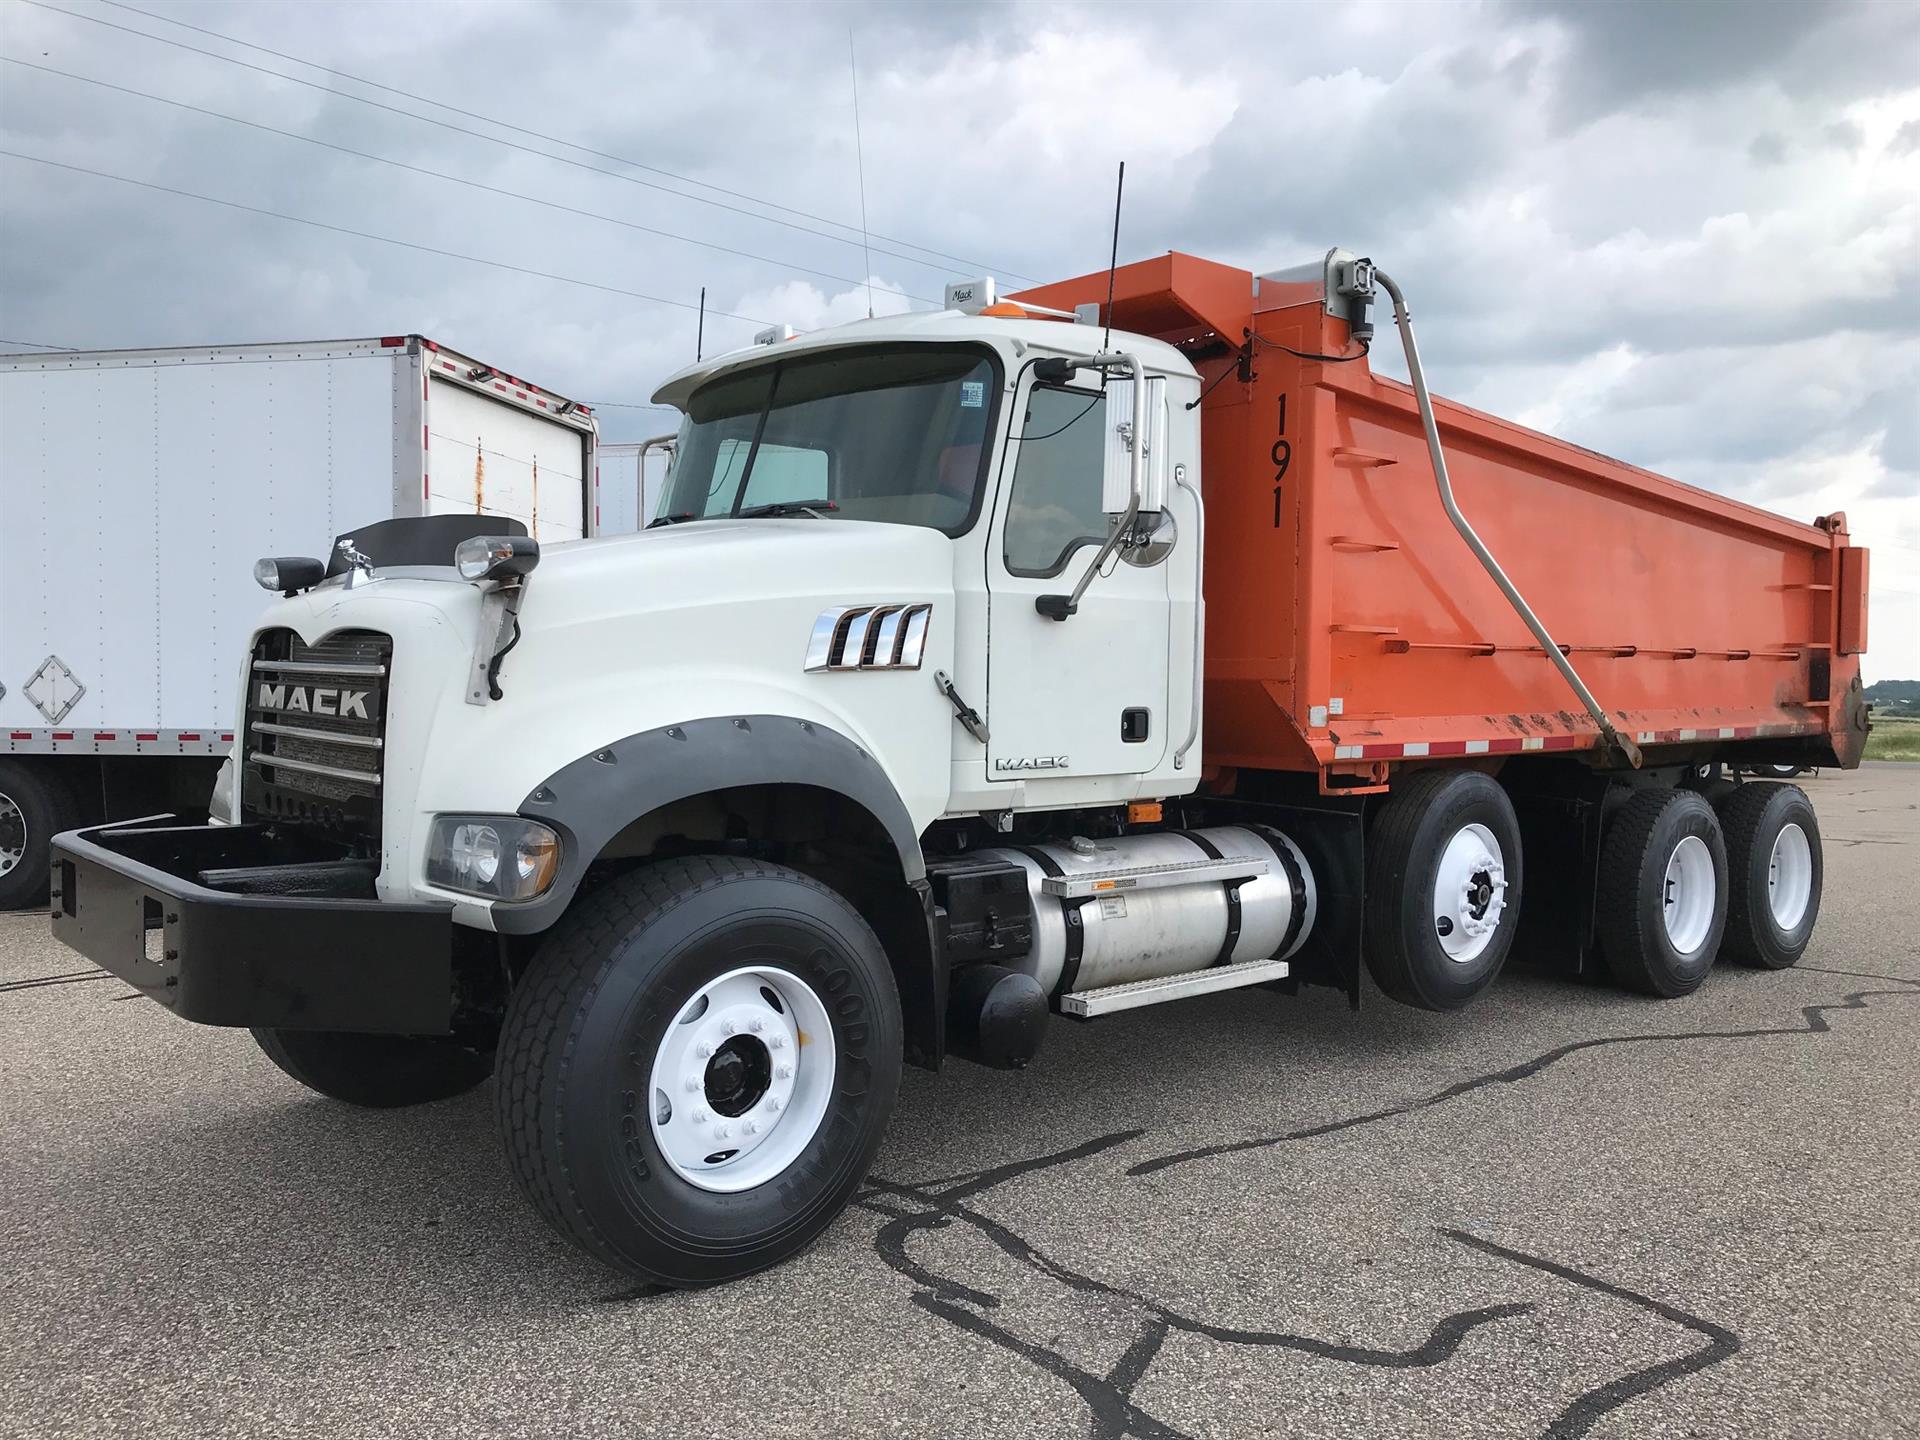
{"points": [[973, 394]]}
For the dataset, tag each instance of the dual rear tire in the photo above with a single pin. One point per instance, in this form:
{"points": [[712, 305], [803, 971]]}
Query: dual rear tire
{"points": [[1683, 882]]}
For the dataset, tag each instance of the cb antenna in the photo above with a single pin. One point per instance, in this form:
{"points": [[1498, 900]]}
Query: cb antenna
{"points": [[700, 334], [860, 160], [1113, 262]]}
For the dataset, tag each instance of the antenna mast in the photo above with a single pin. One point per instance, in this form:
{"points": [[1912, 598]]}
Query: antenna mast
{"points": [[700, 335], [860, 160], [1113, 262]]}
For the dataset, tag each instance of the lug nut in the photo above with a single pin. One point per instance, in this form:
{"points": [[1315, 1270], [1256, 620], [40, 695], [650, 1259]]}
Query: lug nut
{"points": [[720, 1132], [778, 1042], [773, 1102], [693, 1084], [783, 1072], [752, 1127], [756, 1025], [726, 1027], [705, 1052], [699, 1117]]}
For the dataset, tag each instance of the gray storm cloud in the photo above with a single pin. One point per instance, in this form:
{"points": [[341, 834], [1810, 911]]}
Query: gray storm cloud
{"points": [[1685, 234]]}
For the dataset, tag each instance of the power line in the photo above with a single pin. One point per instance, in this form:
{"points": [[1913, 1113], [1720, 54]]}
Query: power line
{"points": [[369, 235], [38, 345], [524, 130], [476, 134], [453, 179]]}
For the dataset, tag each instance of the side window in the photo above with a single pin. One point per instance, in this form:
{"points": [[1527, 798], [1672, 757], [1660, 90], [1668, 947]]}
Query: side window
{"points": [[1055, 507]]}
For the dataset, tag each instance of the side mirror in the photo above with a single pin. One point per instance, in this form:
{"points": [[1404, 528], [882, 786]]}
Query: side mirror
{"points": [[1133, 475], [1116, 476]]}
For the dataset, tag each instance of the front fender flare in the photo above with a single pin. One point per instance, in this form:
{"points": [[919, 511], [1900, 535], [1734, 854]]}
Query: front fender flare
{"points": [[592, 799]]}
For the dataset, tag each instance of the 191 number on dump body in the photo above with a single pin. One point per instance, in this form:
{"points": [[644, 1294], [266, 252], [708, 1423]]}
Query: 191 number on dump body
{"points": [[1282, 455]]}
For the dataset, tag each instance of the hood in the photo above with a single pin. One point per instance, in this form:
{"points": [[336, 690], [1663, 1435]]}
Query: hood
{"points": [[704, 565]]}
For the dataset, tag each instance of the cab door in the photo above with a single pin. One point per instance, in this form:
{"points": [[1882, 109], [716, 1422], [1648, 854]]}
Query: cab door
{"points": [[1076, 708]]}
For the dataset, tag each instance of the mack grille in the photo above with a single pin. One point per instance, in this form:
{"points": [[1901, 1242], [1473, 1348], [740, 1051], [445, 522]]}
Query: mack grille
{"points": [[316, 730]]}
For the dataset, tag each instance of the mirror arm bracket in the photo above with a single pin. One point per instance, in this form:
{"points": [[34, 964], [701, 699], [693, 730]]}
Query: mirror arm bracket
{"points": [[1059, 607]]}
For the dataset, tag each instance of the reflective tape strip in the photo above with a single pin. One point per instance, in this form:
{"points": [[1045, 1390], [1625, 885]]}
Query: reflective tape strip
{"points": [[116, 742], [1509, 745]]}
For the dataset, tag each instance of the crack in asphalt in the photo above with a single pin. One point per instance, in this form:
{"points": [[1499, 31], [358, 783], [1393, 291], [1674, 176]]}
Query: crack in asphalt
{"points": [[1813, 1016], [910, 1210], [1591, 1406], [38, 982], [1109, 1396]]}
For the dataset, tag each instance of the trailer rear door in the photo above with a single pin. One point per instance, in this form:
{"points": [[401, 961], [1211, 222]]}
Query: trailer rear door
{"points": [[492, 455]]}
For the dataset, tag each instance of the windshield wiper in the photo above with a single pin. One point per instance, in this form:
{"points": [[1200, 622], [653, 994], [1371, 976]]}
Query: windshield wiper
{"points": [[678, 519], [786, 507]]}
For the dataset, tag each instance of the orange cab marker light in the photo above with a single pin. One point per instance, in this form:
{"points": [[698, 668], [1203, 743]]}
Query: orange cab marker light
{"points": [[1143, 812]]}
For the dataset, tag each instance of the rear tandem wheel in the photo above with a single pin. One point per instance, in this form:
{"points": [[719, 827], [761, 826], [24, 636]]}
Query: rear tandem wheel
{"points": [[1662, 903]]}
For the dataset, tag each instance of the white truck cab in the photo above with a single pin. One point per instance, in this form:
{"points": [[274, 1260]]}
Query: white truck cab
{"points": [[742, 754]]}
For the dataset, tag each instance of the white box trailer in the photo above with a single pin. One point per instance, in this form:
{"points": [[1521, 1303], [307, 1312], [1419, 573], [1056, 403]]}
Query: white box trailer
{"points": [[630, 481], [137, 488]]}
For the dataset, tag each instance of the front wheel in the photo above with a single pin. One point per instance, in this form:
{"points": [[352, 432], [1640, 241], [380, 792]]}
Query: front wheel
{"points": [[380, 1072], [697, 1070]]}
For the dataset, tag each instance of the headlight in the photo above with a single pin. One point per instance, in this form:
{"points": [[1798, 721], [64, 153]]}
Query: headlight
{"points": [[288, 574], [498, 857], [496, 557]]}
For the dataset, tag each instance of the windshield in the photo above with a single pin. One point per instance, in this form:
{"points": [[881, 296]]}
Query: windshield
{"points": [[892, 433]]}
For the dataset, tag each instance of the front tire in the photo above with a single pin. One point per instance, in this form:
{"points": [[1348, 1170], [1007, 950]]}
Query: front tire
{"points": [[1443, 888], [1774, 871], [698, 1069], [34, 807], [379, 1072], [1663, 892]]}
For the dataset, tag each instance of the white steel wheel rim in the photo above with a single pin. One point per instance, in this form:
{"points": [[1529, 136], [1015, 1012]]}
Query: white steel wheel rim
{"points": [[741, 1079], [1790, 877], [13, 834], [1688, 895], [1469, 893]]}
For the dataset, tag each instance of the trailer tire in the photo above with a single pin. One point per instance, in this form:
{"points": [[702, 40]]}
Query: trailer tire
{"points": [[379, 1072], [646, 1098], [34, 807], [1442, 830], [1662, 901], [1774, 874]]}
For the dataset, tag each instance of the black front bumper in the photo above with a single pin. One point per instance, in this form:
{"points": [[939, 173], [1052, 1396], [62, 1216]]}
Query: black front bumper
{"points": [[131, 898]]}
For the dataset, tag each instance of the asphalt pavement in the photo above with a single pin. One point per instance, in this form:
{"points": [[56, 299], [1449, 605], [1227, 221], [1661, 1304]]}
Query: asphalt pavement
{"points": [[1568, 1211]]}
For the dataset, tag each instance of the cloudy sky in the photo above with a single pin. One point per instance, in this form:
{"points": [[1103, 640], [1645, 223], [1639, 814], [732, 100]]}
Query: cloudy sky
{"points": [[1684, 234]]}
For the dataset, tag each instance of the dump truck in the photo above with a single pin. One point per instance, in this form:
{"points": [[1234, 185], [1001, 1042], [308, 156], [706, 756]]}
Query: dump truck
{"points": [[1063, 653], [137, 487]]}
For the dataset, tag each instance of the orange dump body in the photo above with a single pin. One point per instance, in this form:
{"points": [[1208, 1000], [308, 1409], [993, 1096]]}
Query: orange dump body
{"points": [[1349, 626]]}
